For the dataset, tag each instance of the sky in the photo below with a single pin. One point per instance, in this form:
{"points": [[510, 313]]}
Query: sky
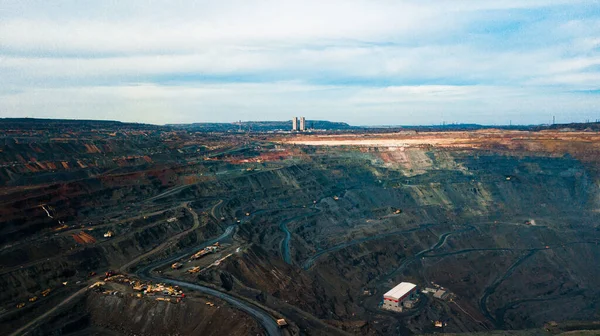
{"points": [[364, 62]]}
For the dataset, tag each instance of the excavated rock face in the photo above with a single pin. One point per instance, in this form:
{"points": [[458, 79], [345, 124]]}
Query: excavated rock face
{"points": [[162, 318], [51, 269], [322, 232], [497, 212], [118, 315]]}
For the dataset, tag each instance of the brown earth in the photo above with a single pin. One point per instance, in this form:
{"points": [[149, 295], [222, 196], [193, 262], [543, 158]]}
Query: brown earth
{"points": [[507, 221]]}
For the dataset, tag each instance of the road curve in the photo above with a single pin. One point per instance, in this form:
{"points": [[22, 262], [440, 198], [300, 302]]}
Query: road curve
{"points": [[441, 241], [492, 288], [285, 242], [167, 242], [500, 312], [308, 263], [498, 322], [261, 316]]}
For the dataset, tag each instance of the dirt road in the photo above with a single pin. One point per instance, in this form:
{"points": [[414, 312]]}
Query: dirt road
{"points": [[31, 324], [263, 317], [167, 242], [260, 315]]}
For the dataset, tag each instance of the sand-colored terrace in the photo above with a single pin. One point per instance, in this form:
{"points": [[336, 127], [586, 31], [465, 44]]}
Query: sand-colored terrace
{"points": [[475, 139]]}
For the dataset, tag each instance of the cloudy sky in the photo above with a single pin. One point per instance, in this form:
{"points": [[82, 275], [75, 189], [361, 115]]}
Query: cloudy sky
{"points": [[363, 62]]}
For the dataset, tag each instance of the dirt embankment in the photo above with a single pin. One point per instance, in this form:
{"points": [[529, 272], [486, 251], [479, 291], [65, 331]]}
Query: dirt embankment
{"points": [[324, 234], [474, 206], [583, 145], [132, 315], [102, 314]]}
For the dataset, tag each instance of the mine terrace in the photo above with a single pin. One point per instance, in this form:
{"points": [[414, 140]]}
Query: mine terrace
{"points": [[112, 228]]}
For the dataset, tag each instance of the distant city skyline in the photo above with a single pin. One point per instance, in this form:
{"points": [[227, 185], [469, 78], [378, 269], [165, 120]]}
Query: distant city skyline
{"points": [[361, 62]]}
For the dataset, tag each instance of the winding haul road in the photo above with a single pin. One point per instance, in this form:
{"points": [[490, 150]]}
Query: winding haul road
{"points": [[285, 242], [167, 242], [31, 324], [145, 272], [492, 288], [498, 321], [259, 314], [500, 312], [441, 241], [34, 322], [308, 263], [262, 316]]}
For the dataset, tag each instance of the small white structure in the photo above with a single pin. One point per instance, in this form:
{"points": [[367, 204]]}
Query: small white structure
{"points": [[393, 300], [440, 294]]}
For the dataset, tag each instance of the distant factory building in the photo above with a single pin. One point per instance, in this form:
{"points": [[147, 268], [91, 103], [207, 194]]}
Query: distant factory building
{"points": [[399, 297], [298, 125]]}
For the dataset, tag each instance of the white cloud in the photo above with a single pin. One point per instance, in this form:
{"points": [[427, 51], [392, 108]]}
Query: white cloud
{"points": [[337, 64], [243, 23], [151, 26], [271, 101], [344, 59]]}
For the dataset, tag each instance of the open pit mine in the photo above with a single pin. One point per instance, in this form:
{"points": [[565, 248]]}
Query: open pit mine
{"points": [[129, 229]]}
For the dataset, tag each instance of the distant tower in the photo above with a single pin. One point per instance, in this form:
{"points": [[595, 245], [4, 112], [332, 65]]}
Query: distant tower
{"points": [[294, 123], [302, 124]]}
